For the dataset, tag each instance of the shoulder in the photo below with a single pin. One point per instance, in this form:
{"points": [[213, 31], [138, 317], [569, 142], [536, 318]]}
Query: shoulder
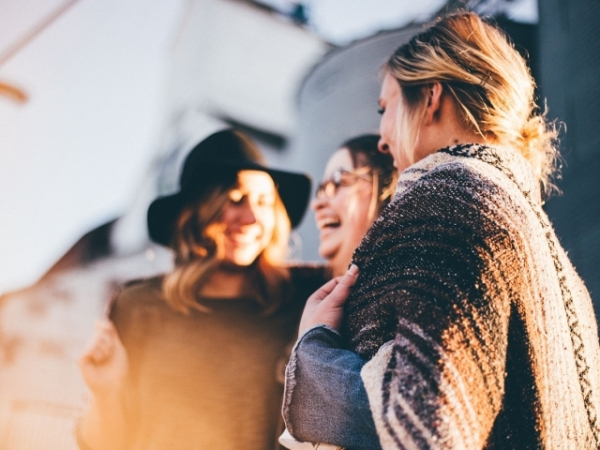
{"points": [[472, 174], [449, 201], [454, 174], [309, 273], [139, 290], [135, 297], [306, 278], [452, 190]]}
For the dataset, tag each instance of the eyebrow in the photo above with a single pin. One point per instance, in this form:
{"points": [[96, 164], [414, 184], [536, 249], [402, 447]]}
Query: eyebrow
{"points": [[252, 191]]}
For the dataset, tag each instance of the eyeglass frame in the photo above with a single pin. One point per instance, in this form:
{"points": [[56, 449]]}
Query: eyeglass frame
{"points": [[336, 181]]}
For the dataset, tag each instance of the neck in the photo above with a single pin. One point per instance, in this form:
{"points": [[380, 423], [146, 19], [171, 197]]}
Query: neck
{"points": [[339, 264], [337, 270], [445, 128], [454, 134], [226, 283]]}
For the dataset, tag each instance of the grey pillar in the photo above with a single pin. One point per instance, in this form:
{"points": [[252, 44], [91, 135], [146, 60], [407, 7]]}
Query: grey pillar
{"points": [[570, 81]]}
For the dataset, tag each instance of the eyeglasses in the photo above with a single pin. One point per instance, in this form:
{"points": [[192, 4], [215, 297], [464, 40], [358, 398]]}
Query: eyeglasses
{"points": [[341, 178]]}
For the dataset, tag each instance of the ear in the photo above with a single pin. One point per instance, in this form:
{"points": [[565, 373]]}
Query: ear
{"points": [[434, 102]]}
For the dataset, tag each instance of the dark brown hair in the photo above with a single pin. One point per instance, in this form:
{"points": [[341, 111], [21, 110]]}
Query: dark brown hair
{"points": [[365, 153]]}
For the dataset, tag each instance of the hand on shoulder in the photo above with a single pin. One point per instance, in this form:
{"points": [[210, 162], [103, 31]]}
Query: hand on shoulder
{"points": [[326, 305], [104, 363]]}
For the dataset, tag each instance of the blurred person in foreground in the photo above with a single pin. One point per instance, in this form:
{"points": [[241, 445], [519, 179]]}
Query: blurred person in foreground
{"points": [[194, 359], [461, 324]]}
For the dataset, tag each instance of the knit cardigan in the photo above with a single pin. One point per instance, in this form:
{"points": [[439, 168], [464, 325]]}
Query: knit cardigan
{"points": [[478, 331]]}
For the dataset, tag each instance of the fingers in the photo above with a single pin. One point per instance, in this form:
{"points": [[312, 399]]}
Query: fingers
{"points": [[347, 280], [102, 344], [324, 290], [325, 306]]}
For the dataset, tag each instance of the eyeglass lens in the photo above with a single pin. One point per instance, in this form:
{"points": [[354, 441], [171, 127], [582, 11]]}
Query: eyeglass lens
{"points": [[339, 178]]}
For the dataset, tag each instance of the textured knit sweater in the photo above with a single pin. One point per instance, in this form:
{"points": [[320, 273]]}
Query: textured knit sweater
{"points": [[478, 331], [207, 380]]}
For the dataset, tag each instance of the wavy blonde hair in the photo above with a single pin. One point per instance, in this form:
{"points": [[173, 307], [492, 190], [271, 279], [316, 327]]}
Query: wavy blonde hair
{"points": [[487, 78], [199, 250]]}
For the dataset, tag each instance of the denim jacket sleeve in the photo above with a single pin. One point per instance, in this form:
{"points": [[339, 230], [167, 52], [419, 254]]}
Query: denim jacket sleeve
{"points": [[325, 399]]}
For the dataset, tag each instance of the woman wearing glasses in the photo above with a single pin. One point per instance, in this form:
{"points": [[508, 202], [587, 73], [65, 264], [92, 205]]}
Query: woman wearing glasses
{"points": [[358, 182]]}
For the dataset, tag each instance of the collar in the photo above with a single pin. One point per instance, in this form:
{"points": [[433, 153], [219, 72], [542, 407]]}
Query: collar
{"points": [[483, 157]]}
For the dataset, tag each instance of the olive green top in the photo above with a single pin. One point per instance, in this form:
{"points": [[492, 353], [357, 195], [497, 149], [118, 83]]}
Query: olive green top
{"points": [[206, 380]]}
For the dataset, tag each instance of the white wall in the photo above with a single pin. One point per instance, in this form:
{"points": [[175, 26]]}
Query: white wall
{"points": [[74, 154]]}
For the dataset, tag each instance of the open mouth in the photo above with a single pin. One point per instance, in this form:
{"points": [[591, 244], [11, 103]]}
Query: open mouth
{"points": [[328, 223]]}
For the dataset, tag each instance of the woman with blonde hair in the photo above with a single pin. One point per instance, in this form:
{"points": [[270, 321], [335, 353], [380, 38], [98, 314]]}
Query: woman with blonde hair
{"points": [[462, 319], [194, 359]]}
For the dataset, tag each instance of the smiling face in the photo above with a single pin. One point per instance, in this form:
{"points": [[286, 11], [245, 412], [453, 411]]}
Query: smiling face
{"points": [[249, 218], [343, 217], [390, 102]]}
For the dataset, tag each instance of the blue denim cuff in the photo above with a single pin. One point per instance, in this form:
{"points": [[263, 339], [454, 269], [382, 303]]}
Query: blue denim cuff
{"points": [[325, 399]]}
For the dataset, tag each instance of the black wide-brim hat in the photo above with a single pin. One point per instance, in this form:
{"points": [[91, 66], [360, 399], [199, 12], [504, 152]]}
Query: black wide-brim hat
{"points": [[217, 157]]}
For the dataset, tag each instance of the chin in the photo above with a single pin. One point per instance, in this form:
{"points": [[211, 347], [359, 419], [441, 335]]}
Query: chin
{"points": [[233, 263], [240, 260], [326, 252]]}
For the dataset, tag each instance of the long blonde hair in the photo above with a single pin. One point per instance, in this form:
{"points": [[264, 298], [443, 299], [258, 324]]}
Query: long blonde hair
{"points": [[487, 78], [198, 246]]}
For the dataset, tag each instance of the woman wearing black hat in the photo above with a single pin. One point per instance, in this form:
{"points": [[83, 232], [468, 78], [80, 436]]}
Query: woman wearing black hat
{"points": [[201, 350]]}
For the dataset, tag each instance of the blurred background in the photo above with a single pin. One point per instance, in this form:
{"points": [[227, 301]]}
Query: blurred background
{"points": [[101, 100]]}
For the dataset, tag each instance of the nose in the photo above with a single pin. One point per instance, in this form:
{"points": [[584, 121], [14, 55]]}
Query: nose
{"points": [[318, 202], [382, 146], [247, 215]]}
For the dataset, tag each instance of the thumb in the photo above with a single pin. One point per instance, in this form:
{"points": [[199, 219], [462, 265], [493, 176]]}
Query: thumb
{"points": [[350, 277], [341, 291]]}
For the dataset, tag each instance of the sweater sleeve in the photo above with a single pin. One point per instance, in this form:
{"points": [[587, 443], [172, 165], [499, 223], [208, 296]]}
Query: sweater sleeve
{"points": [[436, 278]]}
